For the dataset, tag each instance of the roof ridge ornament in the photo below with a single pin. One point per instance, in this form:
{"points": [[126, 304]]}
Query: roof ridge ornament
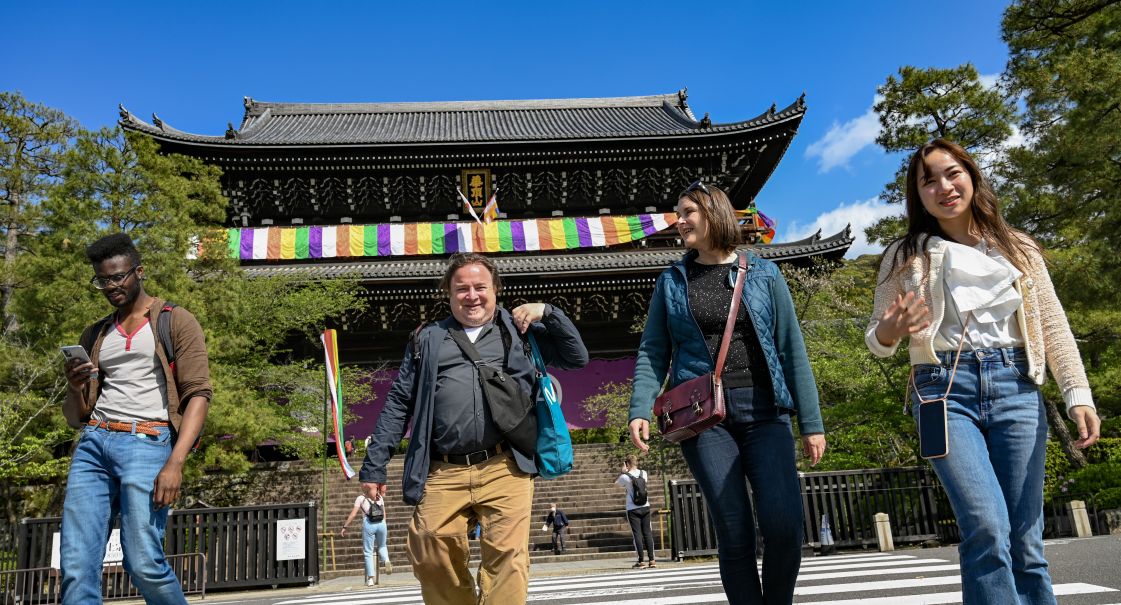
{"points": [[231, 132], [157, 121], [771, 111], [124, 113], [802, 100], [706, 122]]}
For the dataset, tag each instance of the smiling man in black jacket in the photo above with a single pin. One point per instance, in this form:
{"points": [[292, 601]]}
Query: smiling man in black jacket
{"points": [[460, 464]]}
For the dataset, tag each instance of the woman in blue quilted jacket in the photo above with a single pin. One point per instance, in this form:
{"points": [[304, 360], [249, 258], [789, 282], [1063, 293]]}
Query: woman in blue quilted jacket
{"points": [[767, 381]]}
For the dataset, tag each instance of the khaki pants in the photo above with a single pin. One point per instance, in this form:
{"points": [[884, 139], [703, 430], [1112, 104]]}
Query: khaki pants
{"points": [[500, 496]]}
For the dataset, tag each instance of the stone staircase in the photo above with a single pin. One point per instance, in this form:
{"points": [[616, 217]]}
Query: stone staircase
{"points": [[588, 495]]}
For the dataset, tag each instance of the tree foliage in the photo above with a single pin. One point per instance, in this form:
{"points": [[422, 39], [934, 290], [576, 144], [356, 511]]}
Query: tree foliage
{"points": [[922, 104], [100, 182], [861, 395], [32, 137]]}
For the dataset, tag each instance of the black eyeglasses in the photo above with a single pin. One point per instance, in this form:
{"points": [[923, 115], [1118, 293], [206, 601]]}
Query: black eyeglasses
{"points": [[117, 278], [695, 185]]}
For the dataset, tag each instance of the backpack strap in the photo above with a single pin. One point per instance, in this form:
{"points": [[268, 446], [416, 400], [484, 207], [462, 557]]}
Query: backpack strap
{"points": [[414, 339], [95, 330], [163, 330]]}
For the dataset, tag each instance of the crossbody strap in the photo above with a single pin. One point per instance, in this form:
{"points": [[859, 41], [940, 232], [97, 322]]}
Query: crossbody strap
{"points": [[954, 371], [732, 312], [460, 338]]}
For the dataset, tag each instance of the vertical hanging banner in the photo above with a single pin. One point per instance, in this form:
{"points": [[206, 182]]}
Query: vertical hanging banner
{"points": [[335, 397]]}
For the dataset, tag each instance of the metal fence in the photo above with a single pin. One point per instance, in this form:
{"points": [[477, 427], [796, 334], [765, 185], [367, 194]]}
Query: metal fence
{"points": [[851, 499], [42, 585], [911, 496], [240, 544]]}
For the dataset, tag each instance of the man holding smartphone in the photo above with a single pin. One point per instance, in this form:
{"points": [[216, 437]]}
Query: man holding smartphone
{"points": [[139, 414]]}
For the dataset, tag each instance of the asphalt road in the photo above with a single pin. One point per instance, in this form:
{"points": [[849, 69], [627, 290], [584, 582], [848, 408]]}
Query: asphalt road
{"points": [[1084, 572]]}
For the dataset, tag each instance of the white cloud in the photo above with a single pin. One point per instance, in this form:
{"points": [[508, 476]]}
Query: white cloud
{"points": [[989, 80], [857, 214], [843, 141]]}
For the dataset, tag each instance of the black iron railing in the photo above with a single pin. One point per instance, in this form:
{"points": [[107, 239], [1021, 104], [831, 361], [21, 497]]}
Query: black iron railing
{"points": [[911, 496], [240, 544]]}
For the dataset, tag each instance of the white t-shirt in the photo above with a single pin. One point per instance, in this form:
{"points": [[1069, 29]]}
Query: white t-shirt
{"points": [[625, 482]]}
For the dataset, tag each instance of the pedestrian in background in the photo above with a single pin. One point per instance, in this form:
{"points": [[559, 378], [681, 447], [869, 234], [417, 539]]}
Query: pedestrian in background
{"points": [[766, 379], [558, 521], [962, 278], [375, 533], [633, 480]]}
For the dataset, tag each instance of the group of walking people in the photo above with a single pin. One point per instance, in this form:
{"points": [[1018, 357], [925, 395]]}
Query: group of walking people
{"points": [[971, 293], [975, 299]]}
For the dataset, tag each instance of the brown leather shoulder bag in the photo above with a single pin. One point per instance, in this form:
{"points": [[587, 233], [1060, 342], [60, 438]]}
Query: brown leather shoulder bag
{"points": [[696, 405]]}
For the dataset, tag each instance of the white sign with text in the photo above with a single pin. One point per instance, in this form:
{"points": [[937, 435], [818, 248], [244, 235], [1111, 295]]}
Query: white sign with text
{"points": [[290, 538], [114, 555]]}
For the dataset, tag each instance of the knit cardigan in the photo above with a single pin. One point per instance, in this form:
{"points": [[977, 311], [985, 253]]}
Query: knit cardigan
{"points": [[1048, 339]]}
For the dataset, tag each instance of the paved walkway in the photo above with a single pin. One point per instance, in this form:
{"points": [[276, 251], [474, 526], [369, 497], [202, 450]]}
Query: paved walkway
{"points": [[405, 578]]}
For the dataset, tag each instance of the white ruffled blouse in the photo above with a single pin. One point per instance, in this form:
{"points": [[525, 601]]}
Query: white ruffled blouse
{"points": [[980, 280]]}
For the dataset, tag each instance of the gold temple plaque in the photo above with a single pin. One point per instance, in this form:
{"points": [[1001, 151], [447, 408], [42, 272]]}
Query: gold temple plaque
{"points": [[476, 185]]}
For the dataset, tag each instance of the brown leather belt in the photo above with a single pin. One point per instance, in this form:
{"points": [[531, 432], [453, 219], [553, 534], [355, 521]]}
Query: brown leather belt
{"points": [[144, 428]]}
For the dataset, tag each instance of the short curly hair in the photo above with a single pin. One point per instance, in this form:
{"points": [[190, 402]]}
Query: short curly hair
{"points": [[118, 244]]}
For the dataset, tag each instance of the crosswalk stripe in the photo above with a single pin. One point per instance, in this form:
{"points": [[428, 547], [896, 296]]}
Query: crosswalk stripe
{"points": [[881, 585], [704, 581], [854, 559], [862, 555], [944, 598], [809, 577]]}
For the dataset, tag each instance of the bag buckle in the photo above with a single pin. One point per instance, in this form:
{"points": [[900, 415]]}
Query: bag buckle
{"points": [[666, 418], [695, 398]]}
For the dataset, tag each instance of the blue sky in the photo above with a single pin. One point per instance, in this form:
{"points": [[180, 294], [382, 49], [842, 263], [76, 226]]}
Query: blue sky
{"points": [[193, 62]]}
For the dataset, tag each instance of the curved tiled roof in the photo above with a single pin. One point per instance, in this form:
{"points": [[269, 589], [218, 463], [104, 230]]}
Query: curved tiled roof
{"points": [[606, 262], [314, 124]]}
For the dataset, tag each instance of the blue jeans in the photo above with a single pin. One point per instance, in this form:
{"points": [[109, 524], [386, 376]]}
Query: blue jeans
{"points": [[993, 473], [112, 473], [762, 452], [374, 535]]}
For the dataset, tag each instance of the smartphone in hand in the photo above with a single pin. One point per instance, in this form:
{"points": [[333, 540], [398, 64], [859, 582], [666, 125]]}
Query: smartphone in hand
{"points": [[77, 352]]}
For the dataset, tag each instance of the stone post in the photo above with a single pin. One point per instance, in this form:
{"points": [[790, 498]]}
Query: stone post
{"points": [[1079, 521], [883, 532]]}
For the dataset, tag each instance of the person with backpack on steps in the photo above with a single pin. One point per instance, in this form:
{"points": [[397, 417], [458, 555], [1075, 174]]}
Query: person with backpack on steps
{"points": [[633, 480], [375, 533]]}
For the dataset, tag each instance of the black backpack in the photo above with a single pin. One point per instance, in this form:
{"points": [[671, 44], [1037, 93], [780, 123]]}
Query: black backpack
{"points": [[376, 514], [638, 493]]}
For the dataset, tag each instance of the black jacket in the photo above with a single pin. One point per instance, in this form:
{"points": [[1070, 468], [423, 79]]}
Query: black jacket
{"points": [[413, 394]]}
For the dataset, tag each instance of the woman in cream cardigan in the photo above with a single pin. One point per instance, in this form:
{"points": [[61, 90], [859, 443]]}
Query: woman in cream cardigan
{"points": [[962, 276]]}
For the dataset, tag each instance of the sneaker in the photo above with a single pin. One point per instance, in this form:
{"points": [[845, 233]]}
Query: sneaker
{"points": [[639, 565], [369, 580], [387, 567], [650, 565]]}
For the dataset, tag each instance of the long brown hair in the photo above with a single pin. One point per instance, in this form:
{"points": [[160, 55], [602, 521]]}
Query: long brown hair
{"points": [[723, 229], [985, 210]]}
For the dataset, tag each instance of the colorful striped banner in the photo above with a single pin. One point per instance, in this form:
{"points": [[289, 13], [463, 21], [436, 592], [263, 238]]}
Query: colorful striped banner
{"points": [[335, 398], [412, 239]]}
